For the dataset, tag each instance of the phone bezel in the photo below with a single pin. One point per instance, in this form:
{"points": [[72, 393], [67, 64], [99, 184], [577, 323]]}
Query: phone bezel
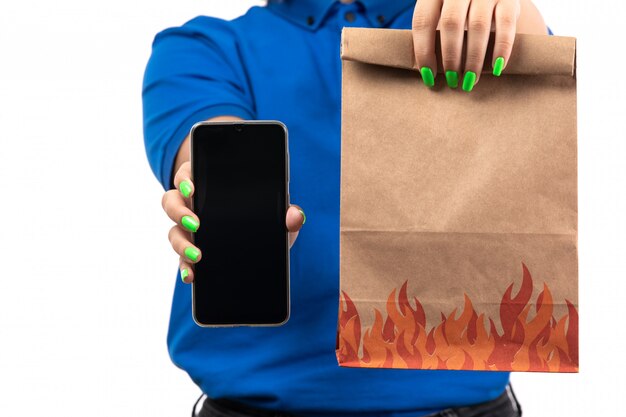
{"points": [[287, 203]]}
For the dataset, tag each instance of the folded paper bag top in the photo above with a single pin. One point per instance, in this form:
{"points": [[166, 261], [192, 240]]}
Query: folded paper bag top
{"points": [[531, 54], [458, 224]]}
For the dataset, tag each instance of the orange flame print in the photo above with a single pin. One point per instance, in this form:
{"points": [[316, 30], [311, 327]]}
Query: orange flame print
{"points": [[469, 342]]}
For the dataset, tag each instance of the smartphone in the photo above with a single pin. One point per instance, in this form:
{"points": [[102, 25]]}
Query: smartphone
{"points": [[240, 172]]}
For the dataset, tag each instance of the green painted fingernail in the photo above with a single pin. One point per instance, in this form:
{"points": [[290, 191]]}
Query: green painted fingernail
{"points": [[469, 80], [185, 188], [184, 274], [452, 77], [303, 216], [190, 223], [192, 253], [498, 66], [427, 76]]}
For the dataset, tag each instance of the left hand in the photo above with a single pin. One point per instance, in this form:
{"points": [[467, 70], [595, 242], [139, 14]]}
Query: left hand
{"points": [[451, 17]]}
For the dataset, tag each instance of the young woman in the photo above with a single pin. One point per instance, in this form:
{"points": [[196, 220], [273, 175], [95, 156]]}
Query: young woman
{"points": [[282, 62]]}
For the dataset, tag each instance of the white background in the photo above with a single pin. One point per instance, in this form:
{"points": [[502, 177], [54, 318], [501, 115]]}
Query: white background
{"points": [[86, 271]]}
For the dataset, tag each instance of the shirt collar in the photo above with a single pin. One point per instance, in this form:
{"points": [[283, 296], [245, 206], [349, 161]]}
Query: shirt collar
{"points": [[311, 13]]}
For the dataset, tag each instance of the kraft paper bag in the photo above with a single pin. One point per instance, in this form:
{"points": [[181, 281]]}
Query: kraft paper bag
{"points": [[458, 230]]}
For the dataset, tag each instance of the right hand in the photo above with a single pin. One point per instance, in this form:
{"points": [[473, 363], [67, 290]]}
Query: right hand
{"points": [[177, 203]]}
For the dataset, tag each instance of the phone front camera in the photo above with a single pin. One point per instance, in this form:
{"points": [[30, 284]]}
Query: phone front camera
{"points": [[238, 128]]}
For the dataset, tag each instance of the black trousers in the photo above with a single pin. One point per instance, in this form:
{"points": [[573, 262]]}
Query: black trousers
{"points": [[506, 405]]}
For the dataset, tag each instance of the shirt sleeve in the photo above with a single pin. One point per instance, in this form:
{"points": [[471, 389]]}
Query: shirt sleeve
{"points": [[194, 73]]}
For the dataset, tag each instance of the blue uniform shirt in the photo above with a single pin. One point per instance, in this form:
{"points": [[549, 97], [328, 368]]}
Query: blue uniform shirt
{"points": [[282, 62]]}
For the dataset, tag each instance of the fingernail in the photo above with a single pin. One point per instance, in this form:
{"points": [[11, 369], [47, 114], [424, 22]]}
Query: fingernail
{"points": [[427, 76], [452, 77], [498, 66], [184, 274], [469, 80], [192, 253], [185, 188], [190, 223], [303, 216]]}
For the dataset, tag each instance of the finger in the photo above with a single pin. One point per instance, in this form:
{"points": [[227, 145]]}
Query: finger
{"points": [[180, 241], [425, 18], [452, 30], [506, 15], [478, 28], [295, 218], [182, 180], [174, 205], [186, 271]]}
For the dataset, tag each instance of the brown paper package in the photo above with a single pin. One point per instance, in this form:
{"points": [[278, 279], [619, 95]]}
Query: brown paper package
{"points": [[458, 230]]}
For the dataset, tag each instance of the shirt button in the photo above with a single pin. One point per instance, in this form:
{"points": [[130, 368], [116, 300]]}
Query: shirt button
{"points": [[350, 17]]}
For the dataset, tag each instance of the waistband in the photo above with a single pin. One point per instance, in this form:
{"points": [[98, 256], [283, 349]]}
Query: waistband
{"points": [[505, 405]]}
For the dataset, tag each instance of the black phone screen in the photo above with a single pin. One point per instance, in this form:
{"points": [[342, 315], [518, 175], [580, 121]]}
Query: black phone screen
{"points": [[240, 174]]}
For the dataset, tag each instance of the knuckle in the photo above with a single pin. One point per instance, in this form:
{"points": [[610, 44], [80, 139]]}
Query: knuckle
{"points": [[421, 54], [182, 171], [165, 198], [172, 234], [479, 25], [422, 21], [451, 23], [449, 57], [474, 58], [503, 44], [506, 21]]}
